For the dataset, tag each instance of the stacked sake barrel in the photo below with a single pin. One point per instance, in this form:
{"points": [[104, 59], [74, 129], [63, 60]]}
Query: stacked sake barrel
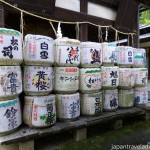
{"points": [[110, 77], [126, 76], [141, 77], [66, 85], [39, 104], [90, 79], [10, 80]]}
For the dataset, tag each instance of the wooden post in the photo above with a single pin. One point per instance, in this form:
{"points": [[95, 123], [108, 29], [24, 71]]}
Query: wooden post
{"points": [[80, 134], [27, 145], [83, 27], [1, 15], [9, 147], [117, 124]]}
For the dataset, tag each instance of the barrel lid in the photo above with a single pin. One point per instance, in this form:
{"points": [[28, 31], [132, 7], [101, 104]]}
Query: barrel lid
{"points": [[66, 41], [9, 31], [30, 37]]}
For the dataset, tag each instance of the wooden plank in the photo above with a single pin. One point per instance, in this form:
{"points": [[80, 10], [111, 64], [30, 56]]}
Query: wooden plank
{"points": [[25, 133], [120, 113], [13, 146], [1, 15]]}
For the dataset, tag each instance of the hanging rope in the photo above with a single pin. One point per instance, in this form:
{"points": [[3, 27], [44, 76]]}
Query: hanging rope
{"points": [[77, 31], [106, 34], [100, 38], [53, 28], [132, 40]]}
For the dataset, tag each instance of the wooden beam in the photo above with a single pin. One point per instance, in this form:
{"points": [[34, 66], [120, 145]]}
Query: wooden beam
{"points": [[126, 16], [83, 27], [43, 6], [1, 15], [63, 14]]}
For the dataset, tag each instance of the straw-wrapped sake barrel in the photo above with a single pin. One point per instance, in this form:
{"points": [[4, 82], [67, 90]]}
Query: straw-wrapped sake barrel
{"points": [[91, 104], [126, 78], [110, 77], [90, 80], [68, 106], [110, 100], [109, 54], [141, 96], [39, 111], [126, 98], [38, 80], [67, 52], [38, 50], [10, 47], [10, 82], [91, 54], [66, 79], [141, 76], [124, 56], [139, 57], [10, 116]]}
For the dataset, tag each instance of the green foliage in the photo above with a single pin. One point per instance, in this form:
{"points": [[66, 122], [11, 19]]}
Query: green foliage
{"points": [[145, 17]]}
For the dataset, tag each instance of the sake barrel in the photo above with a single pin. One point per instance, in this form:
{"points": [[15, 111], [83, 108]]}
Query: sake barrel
{"points": [[38, 80], [10, 82], [91, 104], [90, 80], [110, 100], [38, 50], [109, 54], [10, 47], [141, 96], [139, 57], [67, 52], [91, 54], [141, 76], [110, 77], [126, 78], [124, 56], [68, 106], [66, 79], [39, 111], [126, 98], [10, 115]]}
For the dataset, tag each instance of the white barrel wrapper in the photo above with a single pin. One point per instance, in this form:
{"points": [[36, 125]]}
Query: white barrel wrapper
{"points": [[109, 54], [38, 79], [139, 59], [126, 78], [91, 104], [10, 114], [126, 98], [39, 111], [90, 80], [38, 50], [91, 54], [67, 52], [66, 79], [110, 100], [141, 76], [10, 81], [10, 47], [68, 106], [141, 96], [124, 56], [110, 77]]}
